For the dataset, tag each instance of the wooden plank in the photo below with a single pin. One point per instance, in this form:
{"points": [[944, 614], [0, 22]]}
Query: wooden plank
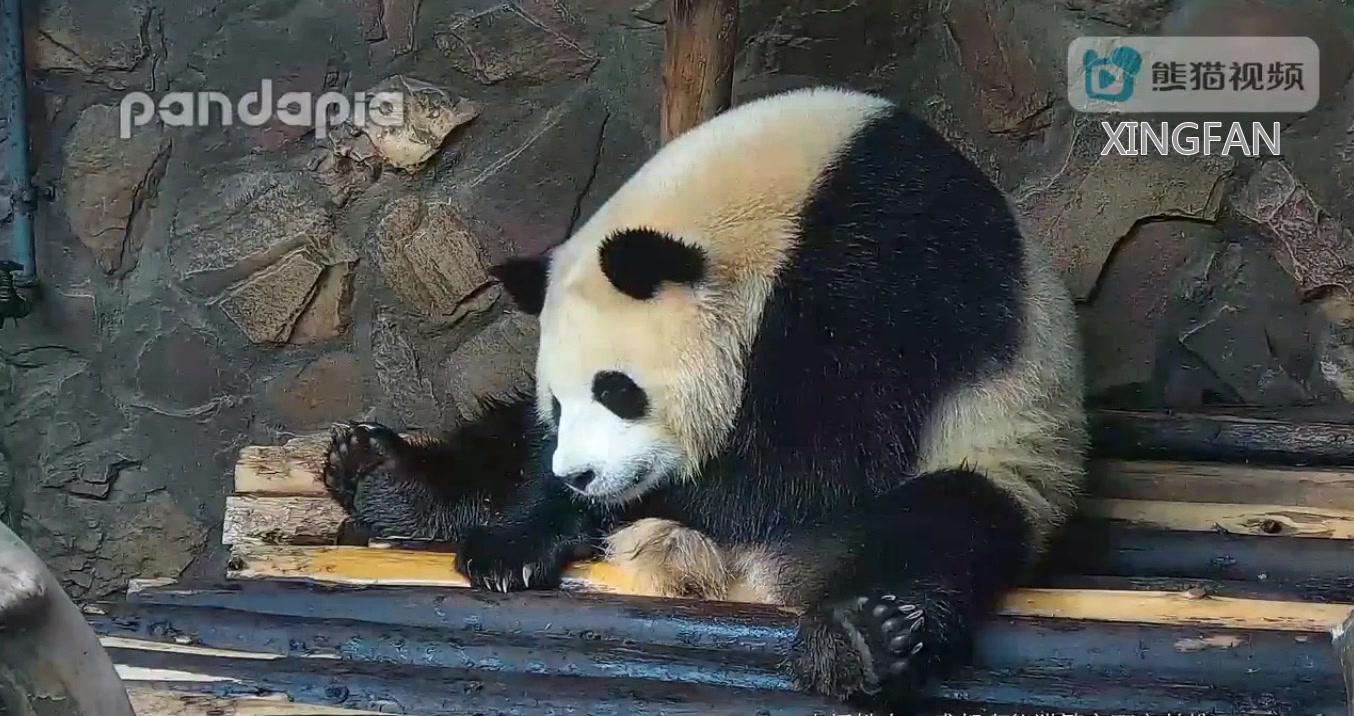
{"points": [[625, 652], [292, 468], [148, 701], [250, 519], [318, 520], [1222, 482], [358, 565], [700, 41], [1238, 435], [1261, 520], [1263, 590], [362, 565], [405, 688], [1314, 566]]}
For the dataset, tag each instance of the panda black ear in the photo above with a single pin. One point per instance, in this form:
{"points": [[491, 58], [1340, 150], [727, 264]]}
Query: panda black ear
{"points": [[638, 261], [524, 279]]}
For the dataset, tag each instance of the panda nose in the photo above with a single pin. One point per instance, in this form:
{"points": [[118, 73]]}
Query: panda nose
{"points": [[579, 480]]}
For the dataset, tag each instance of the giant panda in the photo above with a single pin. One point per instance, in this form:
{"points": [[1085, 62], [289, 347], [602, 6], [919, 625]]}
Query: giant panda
{"points": [[805, 355]]}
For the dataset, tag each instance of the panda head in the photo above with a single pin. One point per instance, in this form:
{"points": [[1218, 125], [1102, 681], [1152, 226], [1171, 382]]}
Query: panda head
{"points": [[637, 367]]}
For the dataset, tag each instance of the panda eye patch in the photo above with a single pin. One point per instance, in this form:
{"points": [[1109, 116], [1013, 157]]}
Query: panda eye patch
{"points": [[555, 409], [617, 393]]}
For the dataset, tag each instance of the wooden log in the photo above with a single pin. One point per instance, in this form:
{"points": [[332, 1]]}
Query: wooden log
{"points": [[319, 520], [359, 566], [415, 642], [250, 519], [148, 701], [1318, 570], [1234, 483], [700, 41], [1262, 520], [1237, 589], [290, 469], [1152, 456], [1312, 566], [1238, 435]]}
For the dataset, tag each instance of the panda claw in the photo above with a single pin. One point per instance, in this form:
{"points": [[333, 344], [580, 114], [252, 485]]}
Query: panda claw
{"points": [[894, 630], [355, 451], [863, 644]]}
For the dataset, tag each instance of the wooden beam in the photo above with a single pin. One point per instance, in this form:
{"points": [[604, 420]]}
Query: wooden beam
{"points": [[700, 42], [411, 650], [293, 468], [1260, 520], [250, 519], [1236, 483], [1319, 568], [1259, 436], [166, 701], [318, 520], [363, 566]]}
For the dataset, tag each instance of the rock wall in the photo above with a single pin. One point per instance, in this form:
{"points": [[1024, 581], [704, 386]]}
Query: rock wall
{"points": [[213, 286]]}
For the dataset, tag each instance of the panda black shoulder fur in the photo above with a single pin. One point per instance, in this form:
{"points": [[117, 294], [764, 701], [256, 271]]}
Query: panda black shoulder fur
{"points": [[806, 356]]}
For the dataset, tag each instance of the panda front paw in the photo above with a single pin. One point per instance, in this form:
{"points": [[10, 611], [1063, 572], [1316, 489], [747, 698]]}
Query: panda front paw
{"points": [[509, 559], [356, 451], [862, 646]]}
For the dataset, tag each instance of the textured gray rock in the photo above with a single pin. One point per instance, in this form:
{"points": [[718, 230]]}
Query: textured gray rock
{"points": [[1314, 245], [506, 43], [406, 122], [263, 242], [498, 359], [406, 395], [530, 199], [430, 258], [108, 179], [1127, 324], [91, 35], [1092, 201], [326, 390]]}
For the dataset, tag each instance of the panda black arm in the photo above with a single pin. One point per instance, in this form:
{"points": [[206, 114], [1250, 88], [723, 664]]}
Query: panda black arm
{"points": [[893, 588], [426, 486], [532, 543]]}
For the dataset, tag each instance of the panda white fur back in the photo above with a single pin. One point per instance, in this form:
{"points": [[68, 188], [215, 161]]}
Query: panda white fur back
{"points": [[805, 355]]}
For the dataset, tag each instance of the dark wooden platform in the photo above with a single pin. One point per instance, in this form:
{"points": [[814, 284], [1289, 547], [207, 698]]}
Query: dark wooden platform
{"points": [[1212, 572]]}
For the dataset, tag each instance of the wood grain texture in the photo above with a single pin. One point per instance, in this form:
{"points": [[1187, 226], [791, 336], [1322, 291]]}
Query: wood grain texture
{"points": [[1261, 520], [318, 520], [292, 468], [166, 701], [698, 52], [359, 566], [250, 519], [427, 650], [1273, 437], [1319, 568], [1222, 482]]}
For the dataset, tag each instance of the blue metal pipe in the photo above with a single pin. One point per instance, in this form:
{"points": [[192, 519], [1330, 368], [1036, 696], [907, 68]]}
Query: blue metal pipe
{"points": [[14, 90]]}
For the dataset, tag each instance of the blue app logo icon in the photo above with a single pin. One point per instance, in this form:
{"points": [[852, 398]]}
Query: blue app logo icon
{"points": [[1111, 78]]}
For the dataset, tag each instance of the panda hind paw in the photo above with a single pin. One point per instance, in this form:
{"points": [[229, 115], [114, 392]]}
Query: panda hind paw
{"points": [[356, 450], [861, 646]]}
